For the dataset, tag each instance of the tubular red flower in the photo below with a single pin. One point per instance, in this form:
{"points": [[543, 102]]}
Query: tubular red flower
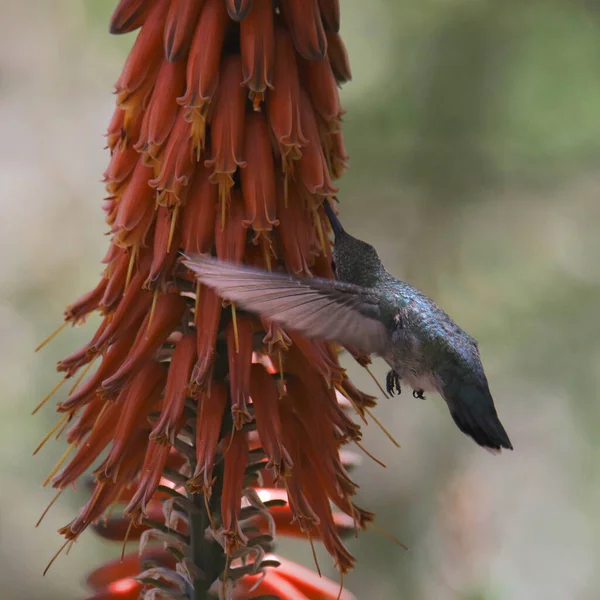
{"points": [[258, 178], [177, 163], [239, 335], [198, 219], [181, 21], [211, 408], [239, 9], [312, 167], [236, 460], [320, 83], [203, 65], [161, 113], [304, 20], [230, 241], [265, 400], [257, 43], [338, 57], [330, 12], [180, 371], [283, 107], [227, 127], [129, 15], [208, 313], [154, 331]]}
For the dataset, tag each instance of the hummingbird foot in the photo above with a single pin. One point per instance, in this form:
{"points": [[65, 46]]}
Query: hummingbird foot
{"points": [[392, 383], [419, 394]]}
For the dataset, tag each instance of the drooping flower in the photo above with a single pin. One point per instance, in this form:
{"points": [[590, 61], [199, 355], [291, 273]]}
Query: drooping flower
{"points": [[227, 139]]}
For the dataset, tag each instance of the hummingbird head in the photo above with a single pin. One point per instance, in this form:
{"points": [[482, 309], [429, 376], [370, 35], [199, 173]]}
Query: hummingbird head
{"points": [[355, 261]]}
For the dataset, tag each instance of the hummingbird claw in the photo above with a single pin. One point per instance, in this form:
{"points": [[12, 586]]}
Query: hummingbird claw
{"points": [[419, 394], [392, 383]]}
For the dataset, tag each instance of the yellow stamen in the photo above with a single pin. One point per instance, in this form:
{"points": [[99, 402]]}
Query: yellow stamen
{"points": [[58, 465], [69, 547], [376, 382], [51, 433], [235, 328], [197, 299], [314, 552], [52, 392], [134, 251], [319, 227], [65, 425], [341, 585], [385, 534], [208, 511], [370, 455], [49, 506], [266, 252], [360, 413], [51, 336], [102, 411], [55, 557], [126, 538], [385, 431], [152, 311], [172, 229], [83, 374]]}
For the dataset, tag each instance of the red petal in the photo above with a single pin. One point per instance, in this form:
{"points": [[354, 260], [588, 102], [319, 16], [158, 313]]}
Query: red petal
{"points": [[304, 20], [238, 9], [181, 22], [129, 15]]}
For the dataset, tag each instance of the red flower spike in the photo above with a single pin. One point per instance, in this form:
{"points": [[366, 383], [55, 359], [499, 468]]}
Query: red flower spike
{"points": [[79, 310], [177, 164], [295, 234], [198, 219], [338, 57], [230, 241], [123, 589], [319, 82], [211, 408], [236, 460], [154, 331], [240, 362], [181, 22], [283, 105], [258, 178], [227, 127], [159, 118], [312, 168], [129, 15], [330, 12], [151, 473], [136, 209], [239, 9], [180, 370], [139, 399], [208, 315], [304, 21], [166, 245], [203, 64], [265, 399], [257, 43]]}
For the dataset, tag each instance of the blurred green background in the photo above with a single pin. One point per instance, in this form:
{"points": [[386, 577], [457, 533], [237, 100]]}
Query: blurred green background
{"points": [[473, 128]]}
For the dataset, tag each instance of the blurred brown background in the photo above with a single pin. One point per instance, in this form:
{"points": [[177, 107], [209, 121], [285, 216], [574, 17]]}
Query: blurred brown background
{"points": [[473, 128]]}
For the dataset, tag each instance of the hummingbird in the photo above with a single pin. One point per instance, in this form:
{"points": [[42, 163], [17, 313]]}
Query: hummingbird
{"points": [[369, 309]]}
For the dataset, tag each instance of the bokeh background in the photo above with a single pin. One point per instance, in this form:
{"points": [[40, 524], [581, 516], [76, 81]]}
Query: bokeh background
{"points": [[473, 128]]}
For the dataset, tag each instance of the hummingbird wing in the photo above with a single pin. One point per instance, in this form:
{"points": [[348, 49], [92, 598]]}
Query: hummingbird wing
{"points": [[319, 308]]}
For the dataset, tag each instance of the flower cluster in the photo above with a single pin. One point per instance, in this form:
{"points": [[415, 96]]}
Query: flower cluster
{"points": [[226, 139]]}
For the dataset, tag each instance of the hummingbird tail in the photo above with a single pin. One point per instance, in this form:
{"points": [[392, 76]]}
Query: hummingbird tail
{"points": [[333, 219], [474, 414]]}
